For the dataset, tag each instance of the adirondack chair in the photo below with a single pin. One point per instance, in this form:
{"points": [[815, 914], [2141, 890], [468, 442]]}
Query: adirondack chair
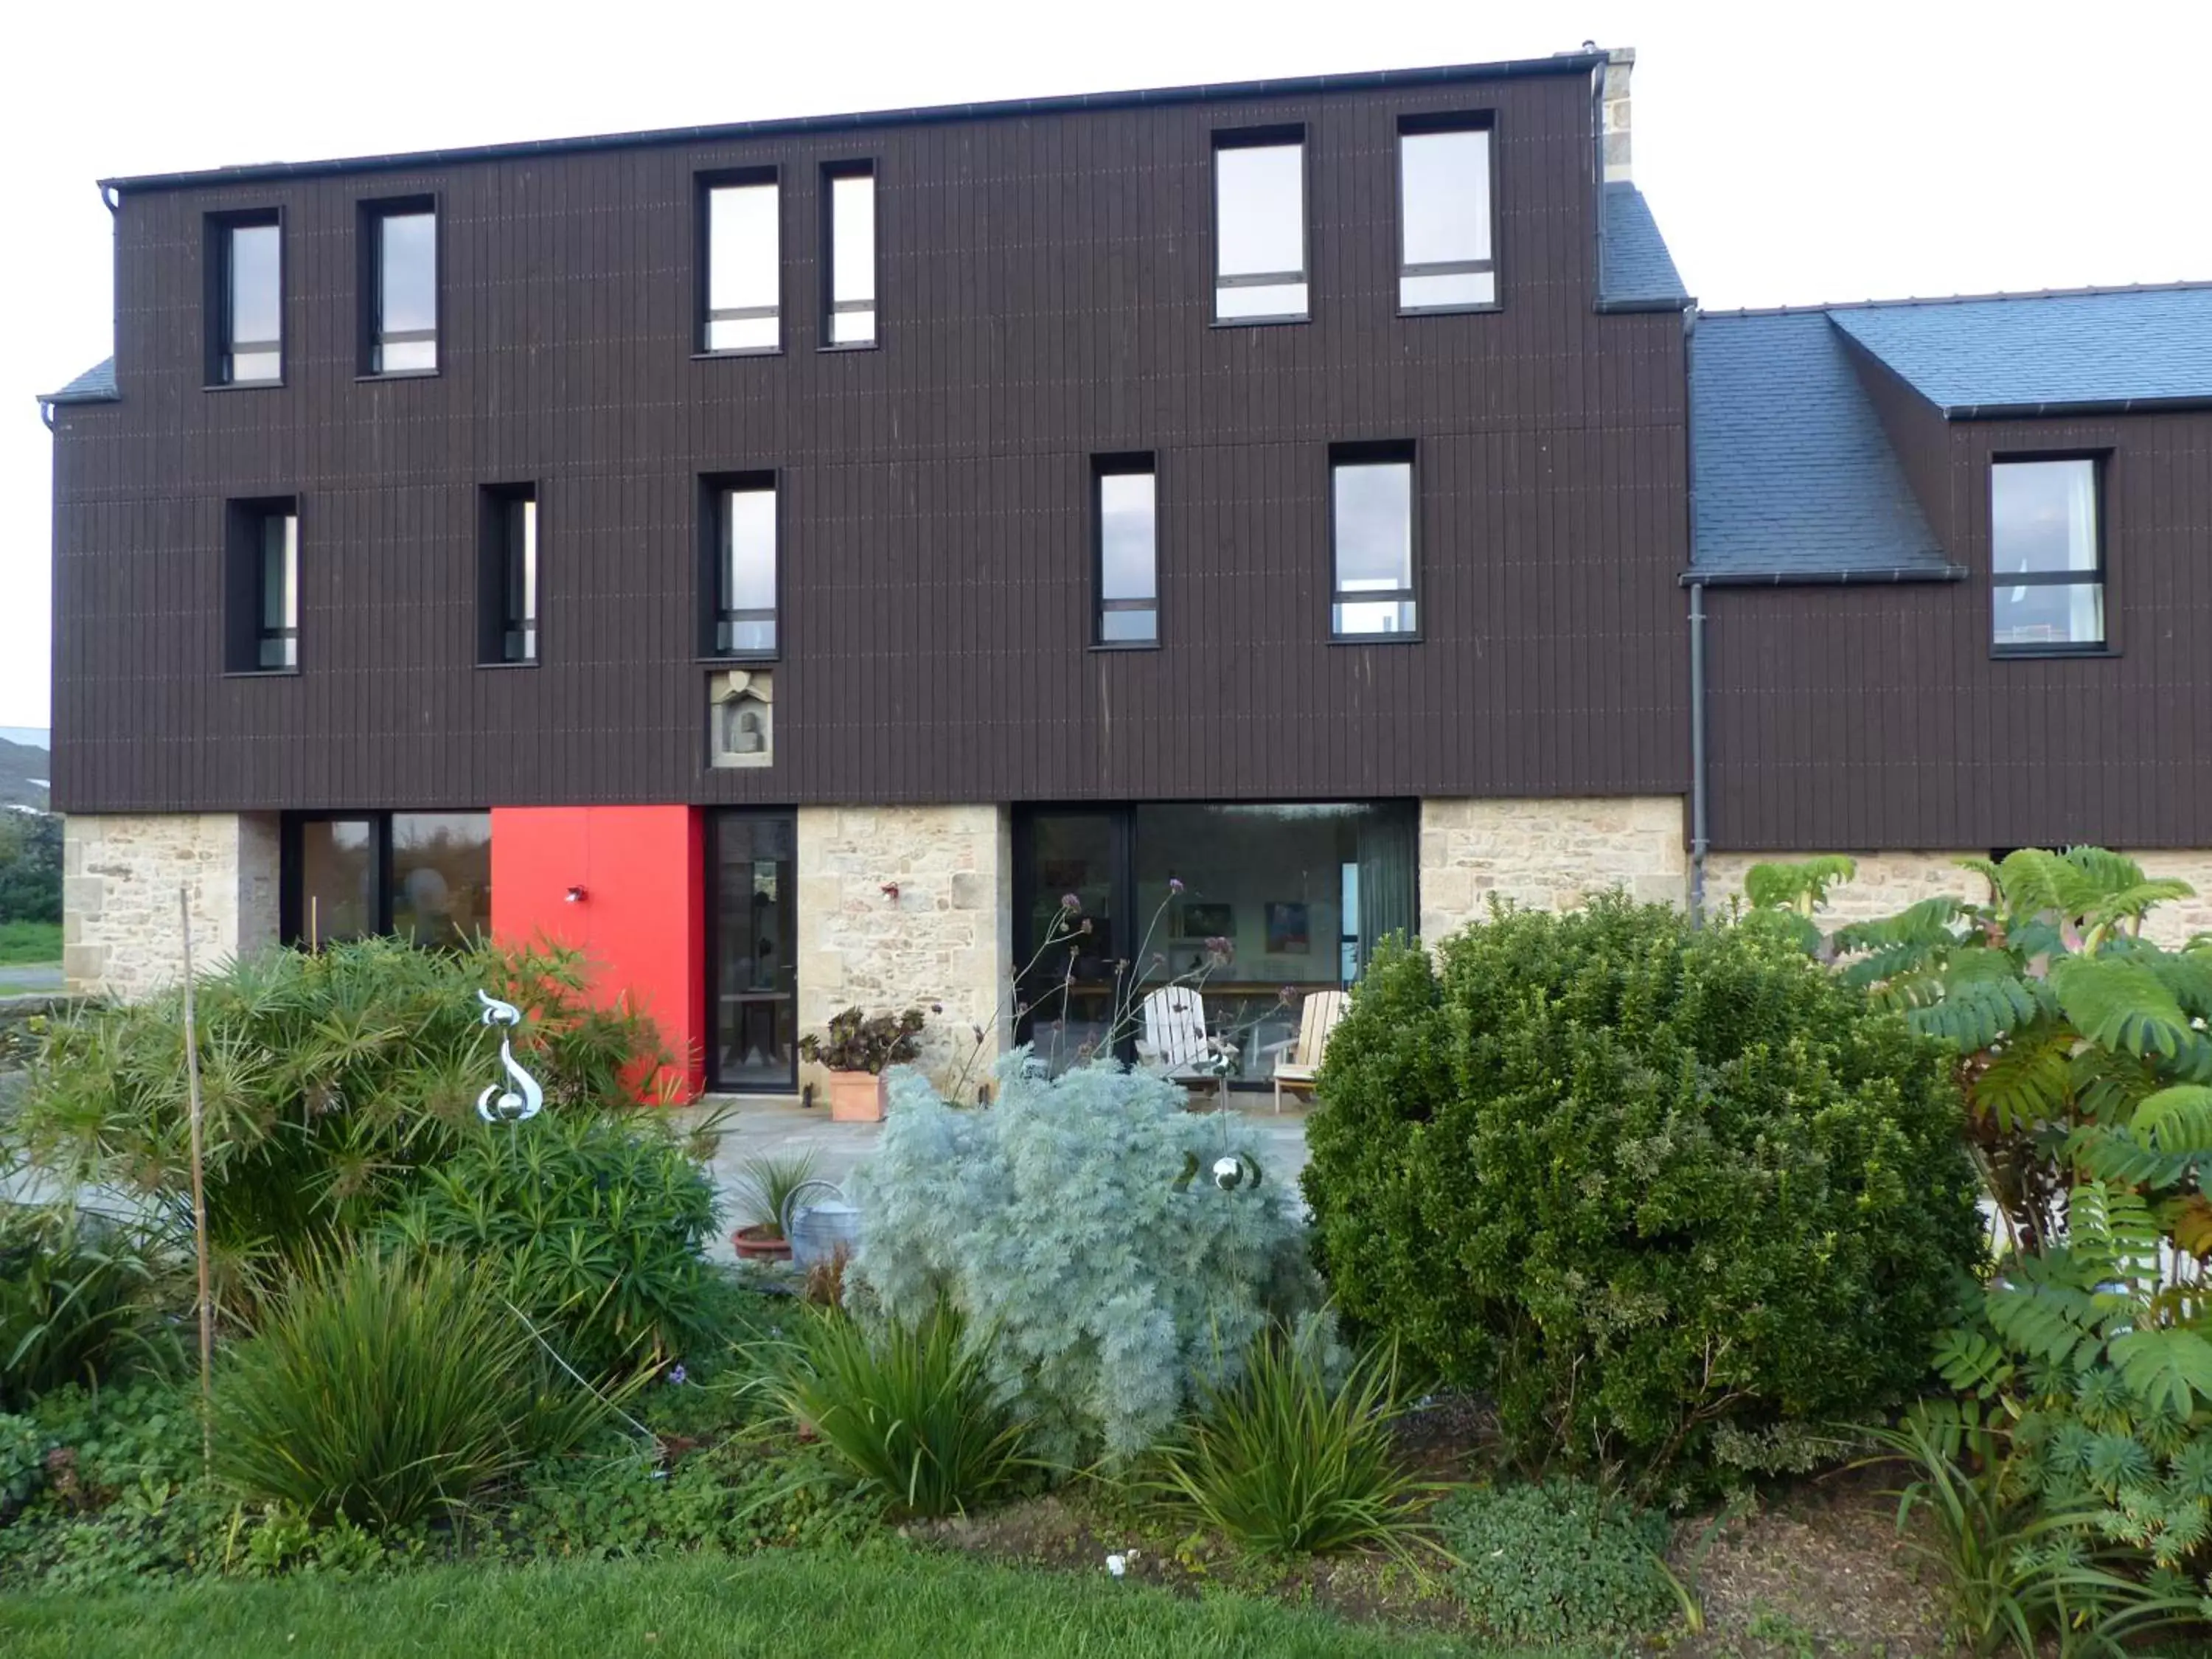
{"points": [[1316, 1019], [1174, 1041]]}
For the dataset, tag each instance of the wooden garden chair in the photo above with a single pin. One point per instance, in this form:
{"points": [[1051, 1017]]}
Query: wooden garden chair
{"points": [[1316, 1020]]}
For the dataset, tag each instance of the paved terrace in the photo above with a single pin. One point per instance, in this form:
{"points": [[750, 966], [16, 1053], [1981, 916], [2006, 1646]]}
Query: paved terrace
{"points": [[754, 1125]]}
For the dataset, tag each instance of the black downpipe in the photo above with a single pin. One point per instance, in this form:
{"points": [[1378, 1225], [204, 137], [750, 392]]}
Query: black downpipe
{"points": [[1698, 842]]}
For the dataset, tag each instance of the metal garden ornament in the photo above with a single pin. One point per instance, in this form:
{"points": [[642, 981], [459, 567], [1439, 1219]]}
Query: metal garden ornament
{"points": [[520, 1099]]}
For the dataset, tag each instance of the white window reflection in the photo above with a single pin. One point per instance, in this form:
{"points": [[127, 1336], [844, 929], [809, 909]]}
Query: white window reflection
{"points": [[744, 254], [853, 258], [1373, 527], [1259, 232], [1444, 217], [2044, 558]]}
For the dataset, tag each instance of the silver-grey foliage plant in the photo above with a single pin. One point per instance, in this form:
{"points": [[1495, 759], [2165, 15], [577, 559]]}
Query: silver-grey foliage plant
{"points": [[1078, 1225]]}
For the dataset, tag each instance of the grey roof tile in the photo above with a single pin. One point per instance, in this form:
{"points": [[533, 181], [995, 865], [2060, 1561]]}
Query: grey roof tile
{"points": [[95, 386], [2034, 350], [1793, 474], [1637, 270]]}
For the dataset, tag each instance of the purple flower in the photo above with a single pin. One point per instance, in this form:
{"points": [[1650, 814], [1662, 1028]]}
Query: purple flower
{"points": [[1289, 994], [1174, 883], [1086, 925], [1069, 902], [676, 1375]]}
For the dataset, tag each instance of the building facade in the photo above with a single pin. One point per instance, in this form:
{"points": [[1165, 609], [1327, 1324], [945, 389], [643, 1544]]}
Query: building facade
{"points": [[986, 558]]}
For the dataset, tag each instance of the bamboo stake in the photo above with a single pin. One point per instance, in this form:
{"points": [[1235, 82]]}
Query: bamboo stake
{"points": [[199, 1198]]}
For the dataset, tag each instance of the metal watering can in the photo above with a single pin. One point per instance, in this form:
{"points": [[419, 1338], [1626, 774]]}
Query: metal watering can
{"points": [[819, 1227]]}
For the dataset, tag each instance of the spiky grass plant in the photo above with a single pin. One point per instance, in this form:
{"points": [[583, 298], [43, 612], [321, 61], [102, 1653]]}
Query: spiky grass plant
{"points": [[81, 1300], [765, 1181], [910, 1408], [1285, 1461], [385, 1388]]}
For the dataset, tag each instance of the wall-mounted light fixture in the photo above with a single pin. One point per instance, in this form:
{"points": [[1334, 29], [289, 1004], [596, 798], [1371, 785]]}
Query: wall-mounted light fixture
{"points": [[575, 895]]}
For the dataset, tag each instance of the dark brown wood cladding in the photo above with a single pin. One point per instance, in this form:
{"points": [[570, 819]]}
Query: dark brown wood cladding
{"points": [[1045, 295], [1870, 718]]}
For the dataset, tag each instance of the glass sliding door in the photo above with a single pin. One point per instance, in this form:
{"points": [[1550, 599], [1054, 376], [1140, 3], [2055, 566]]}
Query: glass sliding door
{"points": [[423, 877], [751, 956], [1070, 886], [337, 885], [1255, 905]]}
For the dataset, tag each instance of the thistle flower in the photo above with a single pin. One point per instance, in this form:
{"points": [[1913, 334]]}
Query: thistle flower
{"points": [[1069, 902], [1174, 883]]}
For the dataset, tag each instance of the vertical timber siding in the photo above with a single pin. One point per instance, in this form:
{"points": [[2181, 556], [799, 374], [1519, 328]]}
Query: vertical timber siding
{"points": [[1045, 294], [1876, 717]]}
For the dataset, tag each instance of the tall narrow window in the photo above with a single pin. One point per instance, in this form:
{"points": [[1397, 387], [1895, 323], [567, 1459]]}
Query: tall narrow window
{"points": [[850, 256], [247, 300], [1444, 258], [401, 286], [2046, 557], [264, 580], [744, 262], [741, 544], [1371, 499], [506, 575], [1128, 549], [1260, 227]]}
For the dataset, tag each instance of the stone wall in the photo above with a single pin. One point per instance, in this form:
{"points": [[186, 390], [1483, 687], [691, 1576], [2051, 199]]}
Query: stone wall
{"points": [[1887, 882], [942, 938], [1546, 855], [120, 873]]}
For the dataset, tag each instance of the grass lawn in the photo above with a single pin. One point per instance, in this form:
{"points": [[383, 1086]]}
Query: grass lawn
{"points": [[23, 943], [769, 1607]]}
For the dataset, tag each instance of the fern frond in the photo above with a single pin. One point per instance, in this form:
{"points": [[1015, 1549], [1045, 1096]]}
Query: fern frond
{"points": [[2119, 1003], [2032, 882], [2114, 1156], [2169, 1368], [2177, 1121], [2028, 1081], [2111, 872], [1976, 1014], [2107, 1087], [1972, 1364], [1930, 921]]}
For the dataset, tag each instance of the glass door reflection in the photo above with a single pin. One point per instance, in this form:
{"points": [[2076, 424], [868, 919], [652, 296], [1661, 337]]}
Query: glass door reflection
{"points": [[753, 996]]}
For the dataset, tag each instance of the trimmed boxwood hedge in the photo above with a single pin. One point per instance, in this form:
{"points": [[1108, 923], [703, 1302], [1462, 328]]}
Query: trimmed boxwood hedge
{"points": [[1674, 1195]]}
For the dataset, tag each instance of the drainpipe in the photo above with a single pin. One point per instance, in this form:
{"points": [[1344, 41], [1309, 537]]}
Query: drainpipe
{"points": [[1697, 839]]}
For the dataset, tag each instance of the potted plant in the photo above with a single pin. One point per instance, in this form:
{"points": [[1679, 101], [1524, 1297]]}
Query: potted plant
{"points": [[858, 1049], [764, 1183]]}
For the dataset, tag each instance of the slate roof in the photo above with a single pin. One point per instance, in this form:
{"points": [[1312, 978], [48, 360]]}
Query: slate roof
{"points": [[1637, 270], [2034, 352], [95, 386], [1793, 474]]}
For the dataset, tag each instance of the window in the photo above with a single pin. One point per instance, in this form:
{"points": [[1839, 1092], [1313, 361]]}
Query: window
{"points": [[1242, 900], [424, 877], [506, 575], [740, 575], [245, 300], [400, 243], [1124, 490], [2046, 555], [1260, 227], [1443, 219], [850, 257], [1371, 512], [263, 582], [743, 265]]}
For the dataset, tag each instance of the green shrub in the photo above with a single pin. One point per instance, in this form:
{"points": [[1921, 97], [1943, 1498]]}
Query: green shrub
{"points": [[81, 1300], [330, 1079], [910, 1408], [1557, 1561], [765, 1184], [595, 1225], [1642, 1182], [385, 1388], [1286, 1461], [1077, 1221]]}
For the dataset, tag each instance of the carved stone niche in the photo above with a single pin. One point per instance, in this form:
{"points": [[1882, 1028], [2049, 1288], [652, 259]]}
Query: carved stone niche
{"points": [[741, 717]]}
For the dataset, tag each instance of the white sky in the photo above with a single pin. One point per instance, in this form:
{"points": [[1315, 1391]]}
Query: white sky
{"points": [[1793, 152]]}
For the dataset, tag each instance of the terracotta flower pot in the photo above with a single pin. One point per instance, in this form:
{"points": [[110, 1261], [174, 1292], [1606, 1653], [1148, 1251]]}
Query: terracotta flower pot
{"points": [[757, 1244], [856, 1097]]}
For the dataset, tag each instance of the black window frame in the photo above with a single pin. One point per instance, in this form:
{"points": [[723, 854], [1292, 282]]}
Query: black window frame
{"points": [[1418, 127], [497, 622], [714, 611], [1369, 452], [215, 264], [245, 590], [863, 167], [1121, 464], [2100, 577], [704, 185], [1260, 138], [369, 239]]}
